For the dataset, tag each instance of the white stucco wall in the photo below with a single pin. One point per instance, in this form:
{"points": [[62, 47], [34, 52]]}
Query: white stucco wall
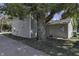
{"points": [[25, 28], [34, 28], [57, 30], [21, 27], [70, 30]]}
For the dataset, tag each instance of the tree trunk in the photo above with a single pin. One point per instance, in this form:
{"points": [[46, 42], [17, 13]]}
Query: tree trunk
{"points": [[41, 30]]}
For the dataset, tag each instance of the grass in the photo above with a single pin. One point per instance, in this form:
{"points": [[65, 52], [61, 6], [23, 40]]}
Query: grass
{"points": [[52, 47], [75, 39]]}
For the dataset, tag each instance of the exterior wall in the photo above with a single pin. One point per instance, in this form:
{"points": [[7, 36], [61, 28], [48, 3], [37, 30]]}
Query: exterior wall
{"points": [[25, 28], [21, 28], [34, 28], [70, 30], [57, 30]]}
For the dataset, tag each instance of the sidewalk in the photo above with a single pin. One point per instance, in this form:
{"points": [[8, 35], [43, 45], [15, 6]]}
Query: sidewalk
{"points": [[5, 32]]}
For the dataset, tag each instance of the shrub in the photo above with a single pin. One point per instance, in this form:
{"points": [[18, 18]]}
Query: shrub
{"points": [[75, 34], [6, 27]]}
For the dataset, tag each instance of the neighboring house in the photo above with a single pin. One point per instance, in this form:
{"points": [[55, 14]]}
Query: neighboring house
{"points": [[60, 29], [24, 28]]}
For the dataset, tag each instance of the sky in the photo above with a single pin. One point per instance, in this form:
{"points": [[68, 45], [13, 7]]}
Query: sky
{"points": [[1, 4], [57, 16]]}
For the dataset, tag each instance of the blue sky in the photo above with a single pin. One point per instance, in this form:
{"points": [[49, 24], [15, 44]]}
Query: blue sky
{"points": [[1, 4], [58, 15]]}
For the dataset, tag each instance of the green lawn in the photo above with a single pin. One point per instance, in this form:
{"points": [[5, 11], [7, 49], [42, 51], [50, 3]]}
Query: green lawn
{"points": [[74, 39]]}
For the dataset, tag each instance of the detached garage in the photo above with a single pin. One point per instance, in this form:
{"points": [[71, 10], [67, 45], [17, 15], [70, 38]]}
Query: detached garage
{"points": [[60, 29]]}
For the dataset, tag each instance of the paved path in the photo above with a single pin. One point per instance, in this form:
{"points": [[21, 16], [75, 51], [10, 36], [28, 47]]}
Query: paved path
{"points": [[9, 47]]}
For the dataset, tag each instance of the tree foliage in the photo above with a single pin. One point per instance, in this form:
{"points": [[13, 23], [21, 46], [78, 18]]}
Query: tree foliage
{"points": [[20, 10], [39, 12], [40, 9]]}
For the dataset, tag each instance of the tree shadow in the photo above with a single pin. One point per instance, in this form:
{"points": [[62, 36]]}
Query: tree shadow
{"points": [[52, 47]]}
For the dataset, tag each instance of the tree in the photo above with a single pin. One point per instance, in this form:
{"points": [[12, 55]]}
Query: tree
{"points": [[71, 13], [39, 12]]}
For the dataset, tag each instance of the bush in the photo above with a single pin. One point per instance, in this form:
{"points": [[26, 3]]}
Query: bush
{"points": [[75, 34], [6, 27]]}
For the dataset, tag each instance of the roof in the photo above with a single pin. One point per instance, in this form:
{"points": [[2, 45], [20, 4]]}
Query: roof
{"points": [[63, 21]]}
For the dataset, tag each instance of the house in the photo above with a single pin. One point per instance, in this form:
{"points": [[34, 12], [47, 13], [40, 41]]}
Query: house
{"points": [[60, 29], [28, 28], [24, 28]]}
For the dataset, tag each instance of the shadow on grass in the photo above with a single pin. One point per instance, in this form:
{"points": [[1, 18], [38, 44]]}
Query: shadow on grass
{"points": [[52, 47]]}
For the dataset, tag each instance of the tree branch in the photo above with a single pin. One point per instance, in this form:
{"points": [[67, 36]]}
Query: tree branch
{"points": [[49, 17]]}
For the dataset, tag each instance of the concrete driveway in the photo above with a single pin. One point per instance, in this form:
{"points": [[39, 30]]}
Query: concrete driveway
{"points": [[9, 47]]}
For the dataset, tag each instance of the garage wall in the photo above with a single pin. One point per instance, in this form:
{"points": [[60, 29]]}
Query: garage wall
{"points": [[21, 27], [25, 28], [70, 30], [58, 30], [34, 28]]}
